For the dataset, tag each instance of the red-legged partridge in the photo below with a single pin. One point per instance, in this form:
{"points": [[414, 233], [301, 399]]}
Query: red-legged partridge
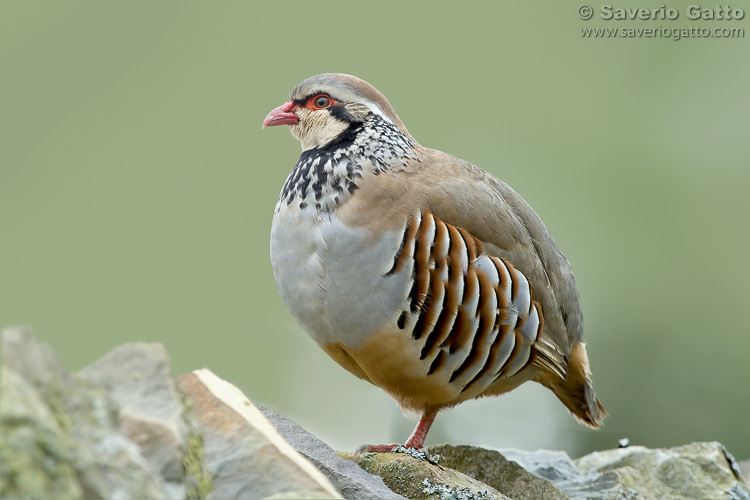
{"points": [[413, 269]]}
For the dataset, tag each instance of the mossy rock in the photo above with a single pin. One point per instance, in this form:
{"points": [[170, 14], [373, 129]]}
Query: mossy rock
{"points": [[419, 479], [493, 469]]}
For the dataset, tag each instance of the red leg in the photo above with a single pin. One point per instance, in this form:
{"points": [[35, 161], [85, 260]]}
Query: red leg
{"points": [[416, 440]]}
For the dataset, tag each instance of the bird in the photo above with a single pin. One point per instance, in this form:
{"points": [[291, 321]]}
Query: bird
{"points": [[415, 270]]}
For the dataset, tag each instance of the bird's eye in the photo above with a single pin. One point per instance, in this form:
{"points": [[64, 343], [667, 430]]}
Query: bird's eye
{"points": [[321, 101]]}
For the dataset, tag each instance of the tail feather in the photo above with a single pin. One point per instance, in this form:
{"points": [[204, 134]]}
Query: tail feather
{"points": [[576, 391]]}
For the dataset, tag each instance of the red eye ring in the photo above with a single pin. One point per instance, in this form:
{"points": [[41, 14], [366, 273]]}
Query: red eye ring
{"points": [[320, 101]]}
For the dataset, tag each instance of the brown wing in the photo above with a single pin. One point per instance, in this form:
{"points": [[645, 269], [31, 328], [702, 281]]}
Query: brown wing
{"points": [[500, 224], [462, 194]]}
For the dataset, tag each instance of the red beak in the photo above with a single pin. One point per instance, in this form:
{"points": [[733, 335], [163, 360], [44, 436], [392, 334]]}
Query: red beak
{"points": [[283, 115]]}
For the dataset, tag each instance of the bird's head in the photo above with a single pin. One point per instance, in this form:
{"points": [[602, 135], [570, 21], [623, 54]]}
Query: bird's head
{"points": [[323, 107]]}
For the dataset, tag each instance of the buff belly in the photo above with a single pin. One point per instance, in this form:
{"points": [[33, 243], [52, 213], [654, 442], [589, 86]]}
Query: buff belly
{"points": [[390, 360]]}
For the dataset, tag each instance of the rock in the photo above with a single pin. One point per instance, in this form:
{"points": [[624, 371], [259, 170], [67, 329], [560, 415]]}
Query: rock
{"points": [[152, 412], [124, 428], [420, 479], [698, 470], [557, 467], [349, 479], [59, 432], [244, 453], [492, 468], [745, 470], [32, 440]]}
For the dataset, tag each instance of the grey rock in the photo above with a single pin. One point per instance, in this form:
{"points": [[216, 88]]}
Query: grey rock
{"points": [[349, 479], [422, 479], [152, 414], [698, 470], [124, 428], [25, 356], [745, 470], [59, 432], [492, 468], [33, 451], [557, 467], [245, 455]]}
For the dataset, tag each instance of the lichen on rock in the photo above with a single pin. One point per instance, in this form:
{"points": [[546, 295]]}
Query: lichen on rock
{"points": [[420, 479]]}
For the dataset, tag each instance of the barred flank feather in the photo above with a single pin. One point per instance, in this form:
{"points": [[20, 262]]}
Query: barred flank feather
{"points": [[473, 315]]}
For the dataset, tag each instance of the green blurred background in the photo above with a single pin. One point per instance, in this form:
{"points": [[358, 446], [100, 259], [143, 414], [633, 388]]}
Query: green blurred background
{"points": [[137, 189]]}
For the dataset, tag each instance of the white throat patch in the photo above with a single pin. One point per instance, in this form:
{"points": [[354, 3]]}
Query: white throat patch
{"points": [[316, 128]]}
